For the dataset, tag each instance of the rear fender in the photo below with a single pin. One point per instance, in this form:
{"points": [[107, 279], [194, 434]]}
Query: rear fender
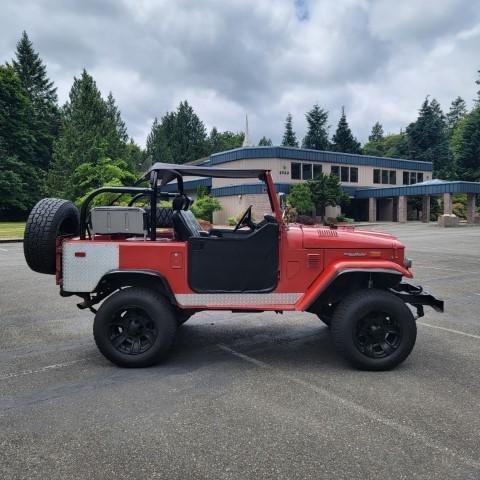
{"points": [[115, 279], [332, 272]]}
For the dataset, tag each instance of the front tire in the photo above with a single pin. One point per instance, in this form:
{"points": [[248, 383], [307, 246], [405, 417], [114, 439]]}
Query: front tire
{"points": [[135, 328], [374, 330]]}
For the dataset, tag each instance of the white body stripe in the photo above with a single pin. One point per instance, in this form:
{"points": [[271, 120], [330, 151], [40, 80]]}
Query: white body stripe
{"points": [[82, 274], [237, 299]]}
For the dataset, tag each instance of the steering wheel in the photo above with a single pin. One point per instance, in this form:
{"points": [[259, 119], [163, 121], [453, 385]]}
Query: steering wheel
{"points": [[246, 220]]}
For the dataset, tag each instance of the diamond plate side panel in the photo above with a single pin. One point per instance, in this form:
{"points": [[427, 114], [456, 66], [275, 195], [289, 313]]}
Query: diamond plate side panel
{"points": [[82, 274], [237, 299]]}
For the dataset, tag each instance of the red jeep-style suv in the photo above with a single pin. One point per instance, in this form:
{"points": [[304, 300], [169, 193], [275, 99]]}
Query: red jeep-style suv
{"points": [[153, 268]]}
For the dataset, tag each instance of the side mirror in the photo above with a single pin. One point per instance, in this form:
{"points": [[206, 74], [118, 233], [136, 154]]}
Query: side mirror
{"points": [[282, 199]]}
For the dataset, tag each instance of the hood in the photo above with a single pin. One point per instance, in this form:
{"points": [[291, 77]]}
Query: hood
{"points": [[346, 237]]}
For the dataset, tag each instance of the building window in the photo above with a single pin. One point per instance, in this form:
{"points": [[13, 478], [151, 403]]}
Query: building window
{"points": [[376, 175], [344, 174], [335, 171], [353, 174], [406, 178], [317, 171], [307, 171], [413, 178], [419, 177], [393, 177], [385, 176], [296, 171]]}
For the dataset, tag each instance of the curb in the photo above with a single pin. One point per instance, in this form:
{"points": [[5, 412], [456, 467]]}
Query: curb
{"points": [[11, 240]]}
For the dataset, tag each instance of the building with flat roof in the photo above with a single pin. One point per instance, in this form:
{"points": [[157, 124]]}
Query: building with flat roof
{"points": [[378, 186]]}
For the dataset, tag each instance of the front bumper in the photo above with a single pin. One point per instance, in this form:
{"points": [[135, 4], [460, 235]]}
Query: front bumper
{"points": [[417, 297]]}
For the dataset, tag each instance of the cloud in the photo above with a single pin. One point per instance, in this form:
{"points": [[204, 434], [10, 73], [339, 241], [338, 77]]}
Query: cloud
{"points": [[378, 58]]}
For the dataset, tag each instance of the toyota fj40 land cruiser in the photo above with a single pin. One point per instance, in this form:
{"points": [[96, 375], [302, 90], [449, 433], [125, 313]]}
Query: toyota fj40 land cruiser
{"points": [[152, 281]]}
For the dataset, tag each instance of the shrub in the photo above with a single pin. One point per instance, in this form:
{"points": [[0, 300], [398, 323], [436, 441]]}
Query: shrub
{"points": [[232, 221], [205, 206]]}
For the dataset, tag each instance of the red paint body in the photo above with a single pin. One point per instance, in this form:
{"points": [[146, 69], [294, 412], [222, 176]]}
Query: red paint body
{"points": [[310, 258]]}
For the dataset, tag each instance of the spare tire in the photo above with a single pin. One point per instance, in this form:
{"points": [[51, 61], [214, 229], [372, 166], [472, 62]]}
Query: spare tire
{"points": [[164, 217], [49, 218]]}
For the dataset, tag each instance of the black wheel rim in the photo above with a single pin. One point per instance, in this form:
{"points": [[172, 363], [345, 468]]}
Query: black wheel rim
{"points": [[378, 335], [132, 331]]}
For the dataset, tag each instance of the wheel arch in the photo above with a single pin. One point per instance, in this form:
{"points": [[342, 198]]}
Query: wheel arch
{"points": [[117, 279], [331, 288]]}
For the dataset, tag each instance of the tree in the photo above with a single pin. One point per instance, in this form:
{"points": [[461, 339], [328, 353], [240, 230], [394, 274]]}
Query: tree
{"points": [[317, 133], [326, 191], [465, 146], [103, 172], [395, 145], [20, 182], [179, 137], [343, 139], [289, 136], [204, 207], [188, 141], [375, 145], [300, 198], [90, 131], [157, 149], [222, 141], [458, 109], [377, 133], [428, 139], [265, 142], [477, 100], [43, 97]]}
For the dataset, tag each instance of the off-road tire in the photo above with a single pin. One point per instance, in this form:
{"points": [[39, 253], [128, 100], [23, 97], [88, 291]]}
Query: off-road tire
{"points": [[49, 218], [357, 306], [163, 215], [160, 314]]}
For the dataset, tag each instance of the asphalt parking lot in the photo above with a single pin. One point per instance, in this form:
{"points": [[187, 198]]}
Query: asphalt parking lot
{"points": [[246, 395]]}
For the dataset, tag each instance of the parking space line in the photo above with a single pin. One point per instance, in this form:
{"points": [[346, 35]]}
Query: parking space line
{"points": [[444, 268], [451, 330], [41, 370], [357, 408], [3, 249]]}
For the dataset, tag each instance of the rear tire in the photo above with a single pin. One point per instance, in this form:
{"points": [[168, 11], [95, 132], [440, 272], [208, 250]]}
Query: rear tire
{"points": [[135, 328], [374, 330], [49, 218]]}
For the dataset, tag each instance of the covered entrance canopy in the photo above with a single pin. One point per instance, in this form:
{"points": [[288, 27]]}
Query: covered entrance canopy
{"points": [[398, 198]]}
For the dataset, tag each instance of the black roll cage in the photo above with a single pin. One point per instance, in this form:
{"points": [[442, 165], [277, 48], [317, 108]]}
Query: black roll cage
{"points": [[138, 192]]}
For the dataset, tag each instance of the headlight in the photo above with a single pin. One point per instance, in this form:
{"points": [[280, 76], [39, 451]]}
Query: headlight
{"points": [[407, 262]]}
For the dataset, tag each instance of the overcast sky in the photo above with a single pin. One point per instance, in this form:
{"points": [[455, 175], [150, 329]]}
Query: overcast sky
{"points": [[379, 58]]}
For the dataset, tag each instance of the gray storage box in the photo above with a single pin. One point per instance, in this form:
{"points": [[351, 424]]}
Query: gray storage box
{"points": [[106, 220]]}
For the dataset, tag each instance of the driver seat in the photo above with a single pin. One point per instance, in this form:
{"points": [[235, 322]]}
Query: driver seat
{"points": [[185, 224]]}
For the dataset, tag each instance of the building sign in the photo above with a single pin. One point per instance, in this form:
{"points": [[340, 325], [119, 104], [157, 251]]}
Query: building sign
{"points": [[284, 171]]}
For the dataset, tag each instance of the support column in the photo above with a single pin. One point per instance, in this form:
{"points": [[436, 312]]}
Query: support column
{"points": [[426, 208], [471, 213], [447, 204], [372, 210], [402, 209]]}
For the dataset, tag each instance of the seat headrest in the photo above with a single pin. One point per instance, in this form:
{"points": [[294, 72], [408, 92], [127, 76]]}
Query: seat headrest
{"points": [[181, 202]]}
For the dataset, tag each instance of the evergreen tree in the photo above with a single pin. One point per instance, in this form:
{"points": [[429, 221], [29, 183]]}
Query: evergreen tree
{"points": [[477, 100], [343, 139], [428, 139], [20, 182], [189, 139], [179, 137], [465, 146], [265, 142], [317, 133], [157, 149], [458, 109], [222, 141], [89, 132], [43, 97], [377, 133], [289, 136], [375, 145]]}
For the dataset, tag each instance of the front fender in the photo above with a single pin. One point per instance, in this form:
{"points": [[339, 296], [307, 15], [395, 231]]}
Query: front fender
{"points": [[347, 266]]}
